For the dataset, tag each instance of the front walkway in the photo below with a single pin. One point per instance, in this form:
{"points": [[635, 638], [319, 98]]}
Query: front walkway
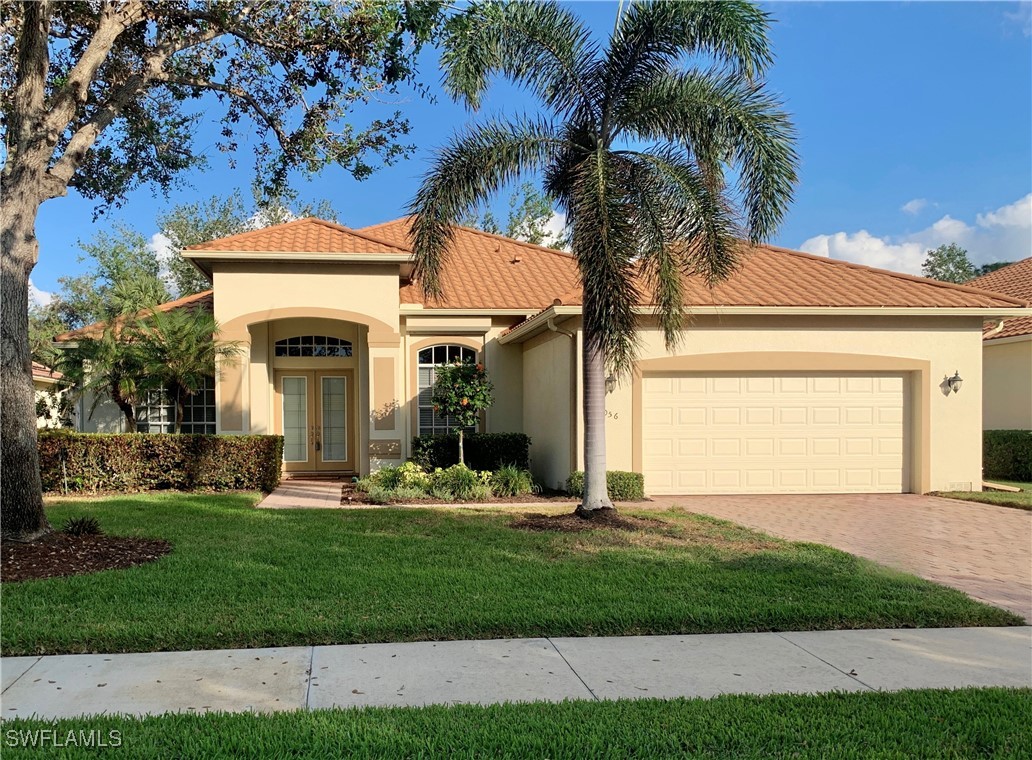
{"points": [[304, 494], [486, 672], [983, 550]]}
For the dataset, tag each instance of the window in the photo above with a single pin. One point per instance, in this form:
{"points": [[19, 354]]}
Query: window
{"points": [[429, 359], [313, 345], [156, 412]]}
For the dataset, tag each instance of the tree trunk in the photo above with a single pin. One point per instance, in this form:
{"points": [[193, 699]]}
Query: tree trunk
{"points": [[178, 395], [21, 496], [126, 407], [596, 491], [462, 458]]}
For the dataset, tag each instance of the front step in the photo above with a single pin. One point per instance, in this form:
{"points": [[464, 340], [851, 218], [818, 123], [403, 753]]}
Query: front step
{"points": [[319, 475]]}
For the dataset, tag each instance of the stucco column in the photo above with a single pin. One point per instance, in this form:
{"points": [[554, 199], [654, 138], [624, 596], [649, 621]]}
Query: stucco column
{"points": [[386, 426], [231, 387]]}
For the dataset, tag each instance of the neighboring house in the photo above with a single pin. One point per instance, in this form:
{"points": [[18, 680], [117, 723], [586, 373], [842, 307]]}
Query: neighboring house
{"points": [[799, 374], [1007, 353], [50, 411]]}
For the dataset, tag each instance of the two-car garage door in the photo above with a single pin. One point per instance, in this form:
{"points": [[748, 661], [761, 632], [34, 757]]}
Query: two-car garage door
{"points": [[774, 433]]}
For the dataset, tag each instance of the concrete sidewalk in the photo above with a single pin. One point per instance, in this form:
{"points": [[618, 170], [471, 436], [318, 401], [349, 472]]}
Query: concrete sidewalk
{"points": [[485, 672]]}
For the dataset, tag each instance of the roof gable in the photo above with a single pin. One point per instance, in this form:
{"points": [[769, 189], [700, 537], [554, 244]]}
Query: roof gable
{"points": [[307, 235]]}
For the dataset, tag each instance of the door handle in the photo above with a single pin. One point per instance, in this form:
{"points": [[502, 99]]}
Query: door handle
{"points": [[318, 437]]}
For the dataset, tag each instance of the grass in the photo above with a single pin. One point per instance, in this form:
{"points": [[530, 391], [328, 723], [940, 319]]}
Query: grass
{"points": [[1022, 500], [927, 723], [241, 577]]}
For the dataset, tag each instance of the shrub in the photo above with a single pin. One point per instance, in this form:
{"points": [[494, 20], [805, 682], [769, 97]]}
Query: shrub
{"points": [[379, 495], [364, 485], [409, 475], [463, 483], [142, 462], [443, 494], [484, 451], [512, 481], [623, 486], [83, 526], [1007, 455]]}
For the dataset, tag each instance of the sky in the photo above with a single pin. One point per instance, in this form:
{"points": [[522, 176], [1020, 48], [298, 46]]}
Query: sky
{"points": [[914, 125]]}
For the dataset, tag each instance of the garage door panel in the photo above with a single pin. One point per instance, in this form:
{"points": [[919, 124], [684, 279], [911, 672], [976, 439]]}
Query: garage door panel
{"points": [[788, 433]]}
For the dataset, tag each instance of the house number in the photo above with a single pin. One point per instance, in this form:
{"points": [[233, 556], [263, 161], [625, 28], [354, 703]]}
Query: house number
{"points": [[612, 415]]}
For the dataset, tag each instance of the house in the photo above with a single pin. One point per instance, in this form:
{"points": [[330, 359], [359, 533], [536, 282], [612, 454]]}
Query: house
{"points": [[1007, 353], [798, 374], [49, 394]]}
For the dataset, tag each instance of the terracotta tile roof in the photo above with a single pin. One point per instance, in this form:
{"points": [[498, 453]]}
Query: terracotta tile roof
{"points": [[485, 271], [302, 236], [1013, 280], [43, 372], [772, 276], [203, 300]]}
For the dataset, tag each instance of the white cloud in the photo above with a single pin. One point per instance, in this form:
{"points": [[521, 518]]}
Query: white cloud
{"points": [[161, 246], [914, 206], [39, 297], [555, 228], [1004, 234], [1022, 16]]}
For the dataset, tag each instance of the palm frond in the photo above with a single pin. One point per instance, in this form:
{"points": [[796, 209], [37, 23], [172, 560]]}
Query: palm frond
{"points": [[720, 118], [538, 45], [467, 171], [651, 37]]}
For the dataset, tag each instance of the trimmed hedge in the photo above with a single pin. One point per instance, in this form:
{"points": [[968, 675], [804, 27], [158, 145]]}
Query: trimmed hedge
{"points": [[623, 486], [145, 462], [1007, 455], [484, 451]]}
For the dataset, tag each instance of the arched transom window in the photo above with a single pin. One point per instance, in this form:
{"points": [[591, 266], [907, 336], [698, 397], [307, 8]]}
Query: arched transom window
{"points": [[313, 345], [429, 359]]}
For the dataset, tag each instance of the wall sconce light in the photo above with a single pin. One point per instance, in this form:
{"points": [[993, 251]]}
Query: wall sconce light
{"points": [[610, 383], [955, 382]]}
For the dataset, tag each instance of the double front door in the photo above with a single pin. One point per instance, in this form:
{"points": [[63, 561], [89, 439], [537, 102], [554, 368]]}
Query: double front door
{"points": [[314, 415]]}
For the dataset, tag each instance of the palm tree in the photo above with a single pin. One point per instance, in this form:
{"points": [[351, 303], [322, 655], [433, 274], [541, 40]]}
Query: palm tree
{"points": [[635, 147], [110, 366], [179, 350]]}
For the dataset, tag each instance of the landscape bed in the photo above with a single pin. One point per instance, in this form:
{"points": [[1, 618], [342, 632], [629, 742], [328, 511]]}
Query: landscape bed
{"points": [[243, 577], [963, 723]]}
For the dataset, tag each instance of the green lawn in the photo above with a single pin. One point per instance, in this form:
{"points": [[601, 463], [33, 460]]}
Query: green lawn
{"points": [[1022, 500], [917, 724], [241, 577]]}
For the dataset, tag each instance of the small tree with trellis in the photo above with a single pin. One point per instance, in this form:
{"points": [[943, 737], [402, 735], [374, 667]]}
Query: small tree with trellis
{"points": [[462, 391]]}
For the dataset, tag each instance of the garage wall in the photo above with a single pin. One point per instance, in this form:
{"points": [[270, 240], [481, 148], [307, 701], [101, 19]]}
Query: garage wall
{"points": [[548, 388], [1007, 395], [946, 440]]}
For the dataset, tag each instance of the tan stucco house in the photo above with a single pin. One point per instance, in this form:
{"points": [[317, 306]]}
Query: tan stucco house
{"points": [[46, 383], [1007, 353], [799, 374]]}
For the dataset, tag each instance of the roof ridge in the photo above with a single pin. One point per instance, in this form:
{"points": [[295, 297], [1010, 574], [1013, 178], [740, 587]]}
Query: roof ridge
{"points": [[496, 236], [898, 275], [247, 235]]}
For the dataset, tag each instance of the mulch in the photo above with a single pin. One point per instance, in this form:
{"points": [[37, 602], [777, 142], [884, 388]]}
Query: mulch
{"points": [[59, 554], [350, 496], [572, 523]]}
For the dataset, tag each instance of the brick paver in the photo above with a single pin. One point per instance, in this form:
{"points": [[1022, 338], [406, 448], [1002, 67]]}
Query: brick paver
{"points": [[983, 550], [304, 494]]}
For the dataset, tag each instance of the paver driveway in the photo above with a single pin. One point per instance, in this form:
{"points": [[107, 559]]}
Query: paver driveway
{"points": [[984, 551]]}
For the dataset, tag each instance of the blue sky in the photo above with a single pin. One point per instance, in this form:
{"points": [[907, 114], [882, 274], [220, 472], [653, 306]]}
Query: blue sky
{"points": [[914, 123]]}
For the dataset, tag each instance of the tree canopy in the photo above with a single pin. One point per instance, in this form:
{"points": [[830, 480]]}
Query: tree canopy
{"points": [[948, 263]]}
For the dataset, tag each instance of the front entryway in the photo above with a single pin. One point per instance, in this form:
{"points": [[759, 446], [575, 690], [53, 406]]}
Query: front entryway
{"points": [[313, 413]]}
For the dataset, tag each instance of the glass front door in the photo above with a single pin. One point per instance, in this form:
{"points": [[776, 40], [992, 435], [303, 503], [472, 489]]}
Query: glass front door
{"points": [[314, 419]]}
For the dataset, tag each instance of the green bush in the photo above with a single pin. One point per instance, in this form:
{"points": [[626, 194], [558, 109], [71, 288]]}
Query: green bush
{"points": [[142, 462], [463, 483], [623, 486], [512, 481], [1007, 455], [83, 526], [484, 451]]}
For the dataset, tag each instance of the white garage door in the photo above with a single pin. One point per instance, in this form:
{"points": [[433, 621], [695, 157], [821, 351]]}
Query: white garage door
{"points": [[773, 433]]}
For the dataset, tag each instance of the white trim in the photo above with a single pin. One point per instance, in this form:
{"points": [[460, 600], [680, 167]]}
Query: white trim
{"points": [[393, 258], [1009, 339]]}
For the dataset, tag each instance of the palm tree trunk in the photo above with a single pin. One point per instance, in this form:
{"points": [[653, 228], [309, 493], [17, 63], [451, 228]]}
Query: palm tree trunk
{"points": [[596, 492], [179, 394], [21, 499]]}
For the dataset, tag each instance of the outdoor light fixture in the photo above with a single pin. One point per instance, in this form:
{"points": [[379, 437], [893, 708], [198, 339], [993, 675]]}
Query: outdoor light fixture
{"points": [[610, 383], [955, 382]]}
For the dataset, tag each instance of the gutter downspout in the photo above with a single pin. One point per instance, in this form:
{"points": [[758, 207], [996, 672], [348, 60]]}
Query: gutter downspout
{"points": [[575, 372], [995, 330]]}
